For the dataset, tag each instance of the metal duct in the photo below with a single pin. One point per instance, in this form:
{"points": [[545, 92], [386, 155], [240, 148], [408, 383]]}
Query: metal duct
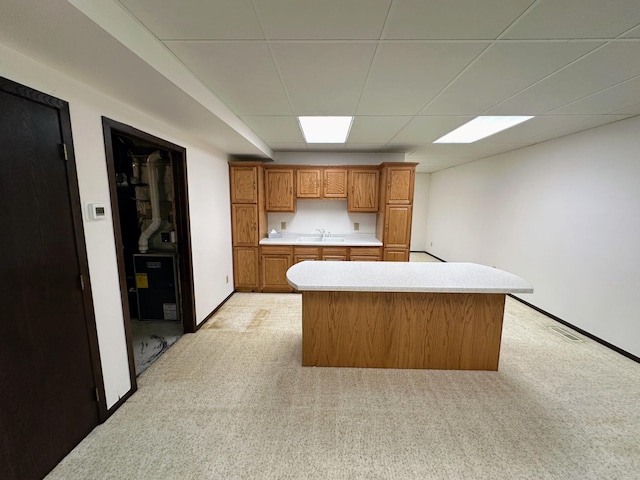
{"points": [[154, 197]]}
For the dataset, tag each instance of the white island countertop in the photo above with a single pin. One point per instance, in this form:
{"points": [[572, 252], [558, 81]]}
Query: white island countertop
{"points": [[404, 277]]}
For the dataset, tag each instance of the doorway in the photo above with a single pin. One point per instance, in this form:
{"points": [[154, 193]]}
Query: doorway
{"points": [[51, 390], [148, 189]]}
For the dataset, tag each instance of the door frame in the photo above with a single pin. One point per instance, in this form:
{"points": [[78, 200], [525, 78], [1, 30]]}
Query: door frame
{"points": [[182, 224], [62, 107]]}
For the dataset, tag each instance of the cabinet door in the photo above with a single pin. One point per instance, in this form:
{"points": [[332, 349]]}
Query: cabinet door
{"points": [[334, 183], [245, 268], [244, 184], [363, 190], [396, 254], [279, 190], [397, 229], [400, 182], [244, 225], [274, 273], [308, 183]]}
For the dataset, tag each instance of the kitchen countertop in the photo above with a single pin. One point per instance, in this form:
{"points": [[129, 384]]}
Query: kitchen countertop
{"points": [[404, 277], [356, 240]]}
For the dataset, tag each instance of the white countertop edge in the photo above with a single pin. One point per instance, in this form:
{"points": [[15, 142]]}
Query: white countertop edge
{"points": [[404, 277], [349, 242]]}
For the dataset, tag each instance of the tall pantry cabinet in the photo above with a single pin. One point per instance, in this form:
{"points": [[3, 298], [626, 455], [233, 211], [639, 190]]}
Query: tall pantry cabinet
{"points": [[393, 224], [248, 222]]}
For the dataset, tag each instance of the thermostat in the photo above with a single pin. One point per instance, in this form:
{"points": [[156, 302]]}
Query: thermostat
{"points": [[97, 211]]}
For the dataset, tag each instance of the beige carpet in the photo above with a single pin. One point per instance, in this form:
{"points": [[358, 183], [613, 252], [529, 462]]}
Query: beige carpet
{"points": [[233, 402]]}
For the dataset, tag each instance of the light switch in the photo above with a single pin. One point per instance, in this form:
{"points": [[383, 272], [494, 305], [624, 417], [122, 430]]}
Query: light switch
{"points": [[356, 226], [283, 225]]}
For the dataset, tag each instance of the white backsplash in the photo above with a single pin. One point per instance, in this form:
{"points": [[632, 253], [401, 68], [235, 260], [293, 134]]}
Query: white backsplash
{"points": [[330, 215]]}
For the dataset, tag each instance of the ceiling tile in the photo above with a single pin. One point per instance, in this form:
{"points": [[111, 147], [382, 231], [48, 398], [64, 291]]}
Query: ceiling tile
{"points": [[605, 67], [613, 99], [585, 124], [177, 19], [323, 78], [375, 129], [502, 71], [630, 110], [633, 33], [326, 19], [407, 75], [426, 129], [452, 19], [577, 19], [241, 74], [534, 127], [288, 147], [276, 129]]}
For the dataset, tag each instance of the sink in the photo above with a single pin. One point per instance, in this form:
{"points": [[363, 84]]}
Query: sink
{"points": [[320, 240]]}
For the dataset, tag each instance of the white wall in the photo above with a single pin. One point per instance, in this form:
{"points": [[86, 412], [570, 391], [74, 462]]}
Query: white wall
{"points": [[420, 209], [564, 215], [208, 204], [331, 215]]}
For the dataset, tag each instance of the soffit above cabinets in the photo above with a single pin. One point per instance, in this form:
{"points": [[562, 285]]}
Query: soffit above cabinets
{"points": [[408, 70]]}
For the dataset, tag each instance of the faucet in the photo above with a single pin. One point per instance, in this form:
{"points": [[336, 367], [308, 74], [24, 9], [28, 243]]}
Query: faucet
{"points": [[322, 231]]}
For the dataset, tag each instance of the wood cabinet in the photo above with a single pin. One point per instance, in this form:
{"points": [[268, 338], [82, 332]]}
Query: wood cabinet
{"points": [[321, 183], [363, 190], [394, 221], [300, 254], [400, 181], [245, 268], [244, 224], [244, 184], [334, 183], [335, 254], [248, 222], [397, 230], [279, 183], [365, 254], [308, 183], [274, 263]]}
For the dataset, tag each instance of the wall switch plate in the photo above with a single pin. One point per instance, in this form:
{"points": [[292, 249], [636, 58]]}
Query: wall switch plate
{"points": [[283, 225], [227, 278], [356, 226]]}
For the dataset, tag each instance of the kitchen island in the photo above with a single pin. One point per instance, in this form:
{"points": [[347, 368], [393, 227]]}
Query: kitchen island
{"points": [[402, 315]]}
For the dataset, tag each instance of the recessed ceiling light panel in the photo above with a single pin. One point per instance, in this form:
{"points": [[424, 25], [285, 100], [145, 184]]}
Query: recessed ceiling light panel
{"points": [[325, 129], [481, 127]]}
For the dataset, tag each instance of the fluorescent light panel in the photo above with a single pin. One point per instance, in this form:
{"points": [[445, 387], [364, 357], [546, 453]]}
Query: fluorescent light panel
{"points": [[325, 129], [481, 127]]}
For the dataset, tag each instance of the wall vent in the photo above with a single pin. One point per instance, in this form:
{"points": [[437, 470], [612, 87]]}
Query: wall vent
{"points": [[564, 333]]}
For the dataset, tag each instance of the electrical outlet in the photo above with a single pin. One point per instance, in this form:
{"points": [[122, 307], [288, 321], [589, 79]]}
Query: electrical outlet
{"points": [[431, 244], [283, 225], [227, 278], [356, 226]]}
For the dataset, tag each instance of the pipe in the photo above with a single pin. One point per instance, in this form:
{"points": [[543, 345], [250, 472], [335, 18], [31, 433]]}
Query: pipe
{"points": [[154, 197]]}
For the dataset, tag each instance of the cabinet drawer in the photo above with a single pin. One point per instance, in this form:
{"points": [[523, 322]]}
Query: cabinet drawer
{"points": [[306, 251], [366, 251], [275, 250]]}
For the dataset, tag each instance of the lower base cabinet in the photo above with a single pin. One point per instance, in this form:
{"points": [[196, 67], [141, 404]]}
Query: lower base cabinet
{"points": [[396, 254], [274, 263], [245, 269]]}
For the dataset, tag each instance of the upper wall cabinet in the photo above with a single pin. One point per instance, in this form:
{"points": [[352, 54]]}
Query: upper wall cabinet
{"points": [[308, 183], [244, 184], [334, 183], [279, 183], [363, 190], [316, 182]]}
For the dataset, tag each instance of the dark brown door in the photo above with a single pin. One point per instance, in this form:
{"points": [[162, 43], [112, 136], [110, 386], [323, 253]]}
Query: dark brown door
{"points": [[47, 382]]}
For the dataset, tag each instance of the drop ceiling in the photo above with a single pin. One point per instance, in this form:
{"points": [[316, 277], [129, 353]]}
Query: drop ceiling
{"points": [[409, 71]]}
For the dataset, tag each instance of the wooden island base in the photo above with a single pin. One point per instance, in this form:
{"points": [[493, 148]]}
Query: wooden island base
{"points": [[454, 331]]}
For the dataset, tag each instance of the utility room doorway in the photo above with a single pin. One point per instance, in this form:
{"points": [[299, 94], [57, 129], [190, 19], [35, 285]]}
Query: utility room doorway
{"points": [[149, 202]]}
